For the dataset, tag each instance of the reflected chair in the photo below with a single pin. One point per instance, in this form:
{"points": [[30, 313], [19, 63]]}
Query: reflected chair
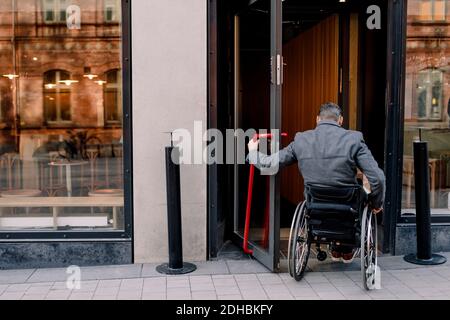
{"points": [[11, 163], [53, 179]]}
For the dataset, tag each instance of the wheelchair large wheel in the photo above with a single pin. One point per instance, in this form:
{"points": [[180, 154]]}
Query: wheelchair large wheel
{"points": [[369, 249], [299, 244]]}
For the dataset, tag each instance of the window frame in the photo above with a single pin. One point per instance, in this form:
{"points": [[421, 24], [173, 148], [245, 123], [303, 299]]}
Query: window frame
{"points": [[59, 88], [433, 13], [108, 87], [56, 10], [126, 235], [107, 4]]}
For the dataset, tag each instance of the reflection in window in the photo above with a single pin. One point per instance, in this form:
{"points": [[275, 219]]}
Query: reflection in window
{"points": [[429, 94], [112, 97], [55, 10], [432, 10], [112, 11], [57, 152], [57, 96]]}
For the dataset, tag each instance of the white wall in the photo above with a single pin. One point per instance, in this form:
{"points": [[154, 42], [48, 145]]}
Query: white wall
{"points": [[169, 43]]}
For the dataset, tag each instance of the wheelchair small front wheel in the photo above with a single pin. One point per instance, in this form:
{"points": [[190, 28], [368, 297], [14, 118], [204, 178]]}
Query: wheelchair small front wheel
{"points": [[299, 244], [369, 249]]}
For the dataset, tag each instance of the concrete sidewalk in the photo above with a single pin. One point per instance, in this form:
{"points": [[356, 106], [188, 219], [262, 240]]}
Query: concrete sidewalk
{"points": [[230, 280]]}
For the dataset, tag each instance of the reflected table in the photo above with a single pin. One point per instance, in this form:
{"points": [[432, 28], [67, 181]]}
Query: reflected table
{"points": [[68, 165]]}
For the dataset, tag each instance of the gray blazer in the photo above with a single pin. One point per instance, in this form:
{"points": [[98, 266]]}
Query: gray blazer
{"points": [[329, 156]]}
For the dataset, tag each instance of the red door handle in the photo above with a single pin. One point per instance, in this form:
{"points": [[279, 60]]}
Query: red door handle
{"points": [[249, 199]]}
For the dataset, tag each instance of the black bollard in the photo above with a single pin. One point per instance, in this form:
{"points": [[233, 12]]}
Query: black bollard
{"points": [[424, 255], [175, 265]]}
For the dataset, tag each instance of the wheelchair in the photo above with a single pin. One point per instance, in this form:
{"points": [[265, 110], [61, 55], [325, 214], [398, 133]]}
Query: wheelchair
{"points": [[334, 217]]}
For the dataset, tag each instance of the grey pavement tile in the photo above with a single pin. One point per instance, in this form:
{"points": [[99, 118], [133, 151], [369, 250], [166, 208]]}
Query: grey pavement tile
{"points": [[88, 286], [109, 283], [200, 279], [149, 270], [204, 295], [129, 295], [105, 298], [60, 285], [269, 278], [19, 287], [154, 295], [176, 283], [407, 296], [357, 297], [15, 276], [81, 296], [444, 297], [311, 297], [229, 297], [3, 287], [351, 290], [224, 282], [331, 296], [47, 275], [111, 272], [281, 296], [245, 266], [276, 288], [38, 289], [211, 267], [154, 285], [132, 284], [301, 292], [324, 287], [107, 291], [316, 279], [202, 287], [179, 296], [228, 290], [58, 295], [246, 277], [12, 295], [33, 297]]}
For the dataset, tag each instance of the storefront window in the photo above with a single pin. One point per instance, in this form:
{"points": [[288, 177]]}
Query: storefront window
{"points": [[61, 158], [427, 100]]}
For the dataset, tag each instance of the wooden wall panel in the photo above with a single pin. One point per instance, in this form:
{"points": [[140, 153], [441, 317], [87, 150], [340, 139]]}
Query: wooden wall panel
{"points": [[311, 78]]}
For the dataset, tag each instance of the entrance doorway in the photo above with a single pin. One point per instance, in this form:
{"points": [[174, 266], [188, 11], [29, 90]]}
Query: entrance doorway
{"points": [[276, 63]]}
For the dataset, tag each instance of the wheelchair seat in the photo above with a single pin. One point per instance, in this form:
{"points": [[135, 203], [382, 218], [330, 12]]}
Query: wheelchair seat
{"points": [[334, 212]]}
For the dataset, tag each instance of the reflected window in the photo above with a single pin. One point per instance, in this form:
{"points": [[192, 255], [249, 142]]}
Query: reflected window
{"points": [[432, 10], [112, 10], [54, 11], [112, 97], [429, 94], [57, 107]]}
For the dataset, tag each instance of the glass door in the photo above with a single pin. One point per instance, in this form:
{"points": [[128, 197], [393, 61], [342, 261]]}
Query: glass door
{"points": [[258, 80]]}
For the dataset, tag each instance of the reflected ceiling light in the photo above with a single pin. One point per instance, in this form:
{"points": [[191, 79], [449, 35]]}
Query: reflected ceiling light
{"points": [[88, 74], [68, 82], [35, 59], [342, 0], [100, 82], [49, 85], [11, 76]]}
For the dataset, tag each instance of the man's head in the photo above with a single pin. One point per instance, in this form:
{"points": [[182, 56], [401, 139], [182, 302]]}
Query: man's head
{"points": [[330, 112]]}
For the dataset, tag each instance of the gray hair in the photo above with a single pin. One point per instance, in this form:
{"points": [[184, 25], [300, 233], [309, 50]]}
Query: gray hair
{"points": [[330, 111]]}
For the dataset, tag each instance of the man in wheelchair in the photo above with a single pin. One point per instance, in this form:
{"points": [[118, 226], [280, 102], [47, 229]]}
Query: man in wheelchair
{"points": [[329, 156]]}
